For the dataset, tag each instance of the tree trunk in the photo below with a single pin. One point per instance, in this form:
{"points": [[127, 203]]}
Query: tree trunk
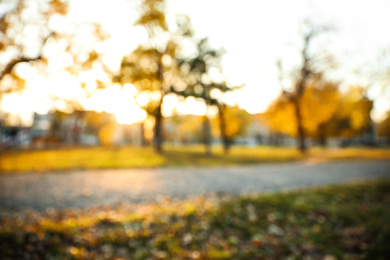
{"points": [[76, 129], [142, 134], [322, 134], [158, 130], [206, 129], [159, 118], [222, 126], [300, 130]]}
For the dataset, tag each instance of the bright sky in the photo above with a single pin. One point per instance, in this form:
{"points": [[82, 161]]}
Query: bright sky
{"points": [[254, 34]]}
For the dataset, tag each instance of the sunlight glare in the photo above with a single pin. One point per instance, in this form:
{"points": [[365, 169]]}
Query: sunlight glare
{"points": [[216, 75], [170, 104], [143, 99], [118, 101], [193, 106]]}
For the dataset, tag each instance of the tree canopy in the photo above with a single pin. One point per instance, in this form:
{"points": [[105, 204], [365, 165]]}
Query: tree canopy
{"points": [[326, 112]]}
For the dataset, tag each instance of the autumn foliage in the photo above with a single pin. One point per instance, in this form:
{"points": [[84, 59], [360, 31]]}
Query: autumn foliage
{"points": [[326, 112]]}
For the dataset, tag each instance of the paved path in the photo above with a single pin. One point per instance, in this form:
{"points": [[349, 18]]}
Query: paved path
{"points": [[99, 187]]}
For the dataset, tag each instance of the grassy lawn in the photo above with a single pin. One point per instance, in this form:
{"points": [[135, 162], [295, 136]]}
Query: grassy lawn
{"points": [[337, 222], [139, 157]]}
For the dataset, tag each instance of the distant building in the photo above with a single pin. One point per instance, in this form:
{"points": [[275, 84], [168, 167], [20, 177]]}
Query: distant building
{"points": [[41, 125]]}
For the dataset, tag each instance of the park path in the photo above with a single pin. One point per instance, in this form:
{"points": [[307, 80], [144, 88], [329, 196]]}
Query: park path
{"points": [[82, 189]]}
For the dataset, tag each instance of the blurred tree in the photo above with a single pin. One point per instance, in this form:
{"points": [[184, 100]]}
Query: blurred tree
{"points": [[326, 112], [196, 70], [39, 33], [164, 65], [280, 116], [24, 34], [237, 122], [198, 83], [319, 104], [86, 60], [23, 38], [185, 129], [353, 117], [306, 71], [171, 61], [149, 67], [384, 127]]}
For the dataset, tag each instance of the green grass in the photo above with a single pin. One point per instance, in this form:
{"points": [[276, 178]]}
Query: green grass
{"points": [[145, 157], [336, 222]]}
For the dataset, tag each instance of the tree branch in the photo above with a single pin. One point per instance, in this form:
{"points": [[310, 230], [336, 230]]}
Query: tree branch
{"points": [[14, 62]]}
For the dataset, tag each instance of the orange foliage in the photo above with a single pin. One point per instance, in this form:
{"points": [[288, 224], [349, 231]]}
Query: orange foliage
{"points": [[326, 111]]}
